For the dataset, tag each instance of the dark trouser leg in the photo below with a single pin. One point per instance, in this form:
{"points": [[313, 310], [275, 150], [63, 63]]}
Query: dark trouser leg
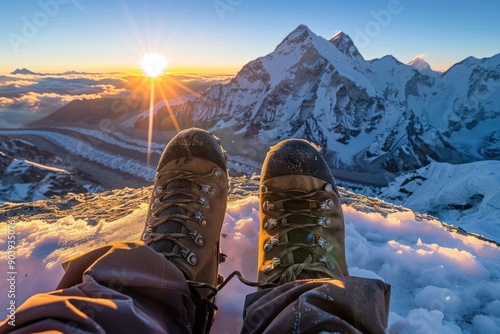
{"points": [[125, 287], [346, 305]]}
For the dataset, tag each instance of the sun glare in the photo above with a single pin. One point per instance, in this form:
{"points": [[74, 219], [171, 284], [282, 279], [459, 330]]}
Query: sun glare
{"points": [[153, 65]]}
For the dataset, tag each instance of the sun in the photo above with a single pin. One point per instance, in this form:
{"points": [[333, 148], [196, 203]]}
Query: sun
{"points": [[153, 64]]}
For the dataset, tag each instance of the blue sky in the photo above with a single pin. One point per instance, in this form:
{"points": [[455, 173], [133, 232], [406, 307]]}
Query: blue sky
{"points": [[220, 36]]}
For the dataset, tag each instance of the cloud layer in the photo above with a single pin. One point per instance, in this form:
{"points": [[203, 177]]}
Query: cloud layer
{"points": [[27, 98]]}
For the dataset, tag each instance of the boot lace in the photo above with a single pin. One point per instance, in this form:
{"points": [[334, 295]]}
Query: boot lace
{"points": [[297, 235], [174, 214], [180, 206]]}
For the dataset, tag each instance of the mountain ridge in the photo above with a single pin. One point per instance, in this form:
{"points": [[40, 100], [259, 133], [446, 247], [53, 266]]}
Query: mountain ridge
{"points": [[26, 71], [370, 116], [375, 118]]}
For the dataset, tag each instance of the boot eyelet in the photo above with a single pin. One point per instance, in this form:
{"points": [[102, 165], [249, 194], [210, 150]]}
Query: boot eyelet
{"points": [[270, 267], [197, 238], [328, 187], [326, 204], [270, 224], [330, 265], [327, 263], [157, 190], [201, 220], [268, 206], [155, 203], [152, 218], [211, 191], [204, 204], [263, 189], [217, 172], [192, 259], [324, 221], [273, 241], [323, 243]]}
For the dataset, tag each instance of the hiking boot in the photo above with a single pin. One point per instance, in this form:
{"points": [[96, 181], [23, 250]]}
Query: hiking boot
{"points": [[301, 220], [187, 209]]}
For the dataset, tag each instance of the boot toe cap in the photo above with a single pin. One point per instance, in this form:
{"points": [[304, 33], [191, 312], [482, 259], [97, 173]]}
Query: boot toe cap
{"points": [[194, 143], [296, 157]]}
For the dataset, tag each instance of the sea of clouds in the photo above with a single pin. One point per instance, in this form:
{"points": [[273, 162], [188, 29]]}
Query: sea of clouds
{"points": [[25, 98]]}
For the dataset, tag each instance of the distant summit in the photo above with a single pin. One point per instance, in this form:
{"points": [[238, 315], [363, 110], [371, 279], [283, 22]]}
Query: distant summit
{"points": [[73, 73], [422, 66], [23, 71], [28, 72]]}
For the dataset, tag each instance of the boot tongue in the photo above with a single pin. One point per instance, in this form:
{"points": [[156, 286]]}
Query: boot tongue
{"points": [[300, 255], [171, 226]]}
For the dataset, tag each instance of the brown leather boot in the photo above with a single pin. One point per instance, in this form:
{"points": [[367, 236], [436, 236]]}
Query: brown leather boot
{"points": [[186, 213], [301, 220]]}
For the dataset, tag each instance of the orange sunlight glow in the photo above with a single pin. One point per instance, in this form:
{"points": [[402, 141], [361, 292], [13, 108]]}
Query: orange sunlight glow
{"points": [[153, 65]]}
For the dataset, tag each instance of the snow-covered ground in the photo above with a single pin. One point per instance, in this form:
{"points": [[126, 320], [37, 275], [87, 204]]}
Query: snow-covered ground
{"points": [[466, 195], [443, 281]]}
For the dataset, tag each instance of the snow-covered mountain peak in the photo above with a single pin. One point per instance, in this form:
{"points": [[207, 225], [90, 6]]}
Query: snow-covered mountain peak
{"points": [[302, 46], [419, 62], [468, 62], [339, 50], [297, 36], [22, 71], [388, 59], [301, 29], [371, 117], [345, 44], [422, 65], [473, 63]]}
